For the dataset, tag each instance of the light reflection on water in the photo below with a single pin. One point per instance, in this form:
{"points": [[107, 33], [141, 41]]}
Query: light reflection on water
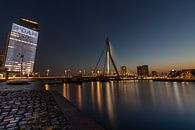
{"points": [[134, 104]]}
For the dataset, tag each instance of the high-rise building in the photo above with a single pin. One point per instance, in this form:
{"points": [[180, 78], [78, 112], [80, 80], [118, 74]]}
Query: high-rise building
{"points": [[123, 70], [21, 47], [143, 71]]}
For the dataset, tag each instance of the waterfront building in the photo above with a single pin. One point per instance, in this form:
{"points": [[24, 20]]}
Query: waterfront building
{"points": [[142, 71], [173, 73], [188, 73], [154, 74], [21, 47], [163, 75], [123, 70]]}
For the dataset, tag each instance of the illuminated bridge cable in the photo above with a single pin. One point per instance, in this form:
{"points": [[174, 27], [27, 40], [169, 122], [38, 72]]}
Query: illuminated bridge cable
{"points": [[99, 58], [114, 65], [104, 71]]}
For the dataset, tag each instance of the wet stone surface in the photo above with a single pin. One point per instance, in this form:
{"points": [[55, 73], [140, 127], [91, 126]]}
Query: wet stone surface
{"points": [[31, 109]]}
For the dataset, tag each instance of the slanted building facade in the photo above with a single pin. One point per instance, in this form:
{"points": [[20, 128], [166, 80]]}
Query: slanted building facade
{"points": [[21, 47]]}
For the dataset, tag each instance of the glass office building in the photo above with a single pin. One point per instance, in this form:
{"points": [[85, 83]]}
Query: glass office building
{"points": [[21, 49]]}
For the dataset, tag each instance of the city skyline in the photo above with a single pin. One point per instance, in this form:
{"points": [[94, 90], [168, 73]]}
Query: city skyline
{"points": [[159, 34]]}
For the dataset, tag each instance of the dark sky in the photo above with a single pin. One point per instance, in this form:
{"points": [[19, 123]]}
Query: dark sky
{"points": [[160, 33]]}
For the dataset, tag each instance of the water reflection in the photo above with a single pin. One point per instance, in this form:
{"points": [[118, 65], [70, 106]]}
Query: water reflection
{"points": [[110, 102], [93, 93], [46, 87], [124, 104], [99, 96], [66, 90], [79, 95], [177, 95]]}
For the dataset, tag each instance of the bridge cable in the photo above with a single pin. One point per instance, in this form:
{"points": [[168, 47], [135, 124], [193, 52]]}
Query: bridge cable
{"points": [[100, 58]]}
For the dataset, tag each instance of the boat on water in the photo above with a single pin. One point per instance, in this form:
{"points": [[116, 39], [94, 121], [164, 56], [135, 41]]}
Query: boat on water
{"points": [[18, 82]]}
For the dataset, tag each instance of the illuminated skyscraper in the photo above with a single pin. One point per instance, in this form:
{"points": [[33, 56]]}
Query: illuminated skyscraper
{"points": [[21, 47], [142, 71]]}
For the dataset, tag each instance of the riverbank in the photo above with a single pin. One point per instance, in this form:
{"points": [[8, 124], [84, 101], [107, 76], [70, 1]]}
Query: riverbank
{"points": [[32, 107]]}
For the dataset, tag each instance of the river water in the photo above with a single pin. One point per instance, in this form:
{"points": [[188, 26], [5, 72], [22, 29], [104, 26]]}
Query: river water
{"points": [[134, 104]]}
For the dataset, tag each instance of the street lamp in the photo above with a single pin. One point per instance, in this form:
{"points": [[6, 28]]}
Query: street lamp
{"points": [[48, 72], [65, 73], [21, 62]]}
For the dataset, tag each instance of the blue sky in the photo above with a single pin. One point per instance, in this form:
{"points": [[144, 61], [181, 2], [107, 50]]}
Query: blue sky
{"points": [[159, 33]]}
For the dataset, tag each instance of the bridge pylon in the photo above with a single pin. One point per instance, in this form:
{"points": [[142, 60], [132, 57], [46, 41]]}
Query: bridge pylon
{"points": [[108, 59]]}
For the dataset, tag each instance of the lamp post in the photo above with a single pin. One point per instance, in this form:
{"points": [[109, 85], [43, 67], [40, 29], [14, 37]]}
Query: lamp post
{"points": [[48, 72], [21, 62], [65, 73]]}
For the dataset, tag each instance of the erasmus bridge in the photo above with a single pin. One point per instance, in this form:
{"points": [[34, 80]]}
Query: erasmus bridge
{"points": [[108, 58], [106, 74]]}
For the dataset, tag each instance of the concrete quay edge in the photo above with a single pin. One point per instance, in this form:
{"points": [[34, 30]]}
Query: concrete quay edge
{"points": [[79, 120]]}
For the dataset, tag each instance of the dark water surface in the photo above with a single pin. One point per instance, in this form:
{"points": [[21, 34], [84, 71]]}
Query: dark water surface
{"points": [[134, 104]]}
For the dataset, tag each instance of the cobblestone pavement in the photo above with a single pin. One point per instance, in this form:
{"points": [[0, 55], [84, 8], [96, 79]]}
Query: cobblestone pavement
{"points": [[27, 109]]}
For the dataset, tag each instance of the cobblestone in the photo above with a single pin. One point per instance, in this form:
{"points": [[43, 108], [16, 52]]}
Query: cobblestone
{"points": [[31, 109]]}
